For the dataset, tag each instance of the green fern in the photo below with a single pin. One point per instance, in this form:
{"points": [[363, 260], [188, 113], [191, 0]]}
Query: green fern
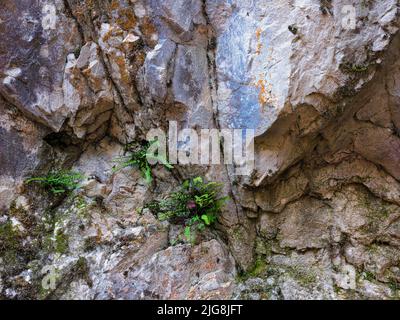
{"points": [[58, 182], [139, 158], [196, 206]]}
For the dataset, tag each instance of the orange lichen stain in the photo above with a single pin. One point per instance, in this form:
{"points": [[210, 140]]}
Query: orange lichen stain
{"points": [[262, 96], [265, 95], [258, 33], [108, 35], [259, 48], [114, 31], [114, 4], [148, 29], [259, 44], [127, 19], [139, 59], [96, 82], [122, 66]]}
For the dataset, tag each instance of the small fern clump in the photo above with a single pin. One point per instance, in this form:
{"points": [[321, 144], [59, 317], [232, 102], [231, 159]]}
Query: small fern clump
{"points": [[138, 157], [58, 182], [196, 206]]}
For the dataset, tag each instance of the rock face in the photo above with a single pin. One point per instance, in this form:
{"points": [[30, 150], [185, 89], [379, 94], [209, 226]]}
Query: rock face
{"points": [[318, 218]]}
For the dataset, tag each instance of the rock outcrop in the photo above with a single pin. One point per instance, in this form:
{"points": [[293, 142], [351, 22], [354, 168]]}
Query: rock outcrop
{"points": [[319, 216]]}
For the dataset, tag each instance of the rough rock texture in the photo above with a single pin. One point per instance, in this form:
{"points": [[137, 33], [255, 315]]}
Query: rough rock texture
{"points": [[319, 217]]}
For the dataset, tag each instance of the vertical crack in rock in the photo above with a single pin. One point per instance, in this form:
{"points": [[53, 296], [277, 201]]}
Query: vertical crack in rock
{"points": [[244, 261]]}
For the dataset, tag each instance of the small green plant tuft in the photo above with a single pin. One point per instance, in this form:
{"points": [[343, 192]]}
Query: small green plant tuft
{"points": [[196, 206], [59, 182], [138, 157]]}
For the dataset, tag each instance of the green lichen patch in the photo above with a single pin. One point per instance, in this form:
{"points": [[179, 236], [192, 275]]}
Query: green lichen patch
{"points": [[354, 68], [10, 243], [259, 269]]}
